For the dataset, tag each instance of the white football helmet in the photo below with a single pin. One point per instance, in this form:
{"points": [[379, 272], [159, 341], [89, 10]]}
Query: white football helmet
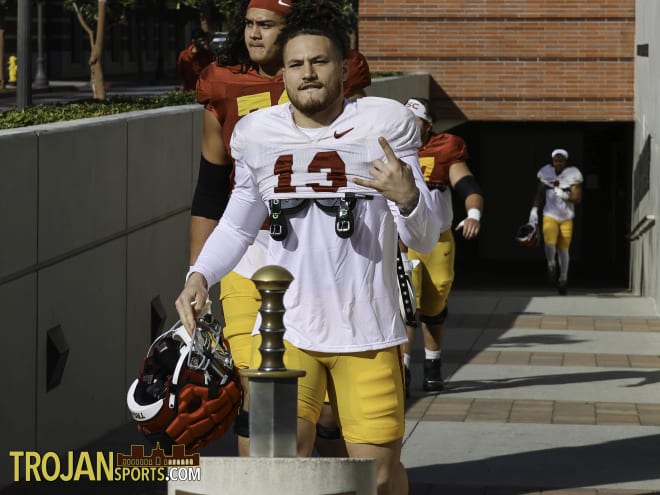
{"points": [[188, 391]]}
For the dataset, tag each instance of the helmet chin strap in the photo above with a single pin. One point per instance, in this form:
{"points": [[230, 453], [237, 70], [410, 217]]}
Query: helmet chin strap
{"points": [[183, 357]]}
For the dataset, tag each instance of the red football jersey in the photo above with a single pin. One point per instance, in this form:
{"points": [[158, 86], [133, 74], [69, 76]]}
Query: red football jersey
{"points": [[231, 94], [439, 154], [359, 76], [189, 65]]}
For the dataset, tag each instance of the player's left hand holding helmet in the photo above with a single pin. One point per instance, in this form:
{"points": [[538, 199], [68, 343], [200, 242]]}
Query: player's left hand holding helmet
{"points": [[188, 391]]}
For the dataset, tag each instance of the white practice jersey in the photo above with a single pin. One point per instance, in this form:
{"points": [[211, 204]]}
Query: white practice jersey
{"points": [[256, 255], [344, 296], [441, 203], [556, 207]]}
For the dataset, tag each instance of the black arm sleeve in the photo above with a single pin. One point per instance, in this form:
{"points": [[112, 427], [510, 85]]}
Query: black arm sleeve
{"points": [[212, 190], [466, 186]]}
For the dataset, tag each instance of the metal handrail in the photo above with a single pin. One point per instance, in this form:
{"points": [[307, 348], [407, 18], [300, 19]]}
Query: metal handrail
{"points": [[642, 226]]}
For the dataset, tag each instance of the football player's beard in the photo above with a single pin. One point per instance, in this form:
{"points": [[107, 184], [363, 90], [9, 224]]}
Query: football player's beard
{"points": [[315, 103]]}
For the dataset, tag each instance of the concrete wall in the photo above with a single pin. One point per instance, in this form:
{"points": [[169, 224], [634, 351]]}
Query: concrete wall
{"points": [[645, 278], [94, 216]]}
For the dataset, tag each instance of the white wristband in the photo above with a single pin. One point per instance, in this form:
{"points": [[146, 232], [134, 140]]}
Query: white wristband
{"points": [[474, 214]]}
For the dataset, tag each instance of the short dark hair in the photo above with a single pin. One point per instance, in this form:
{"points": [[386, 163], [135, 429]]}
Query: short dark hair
{"points": [[317, 17]]}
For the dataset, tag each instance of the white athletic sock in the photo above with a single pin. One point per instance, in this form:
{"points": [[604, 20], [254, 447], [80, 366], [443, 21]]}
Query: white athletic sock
{"points": [[550, 251], [406, 360], [563, 256], [431, 354]]}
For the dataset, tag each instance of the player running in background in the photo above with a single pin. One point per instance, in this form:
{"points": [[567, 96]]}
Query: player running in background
{"points": [[193, 59], [559, 190], [443, 158]]}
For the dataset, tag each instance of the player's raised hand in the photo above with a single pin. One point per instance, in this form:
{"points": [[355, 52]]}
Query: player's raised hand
{"points": [[393, 179]]}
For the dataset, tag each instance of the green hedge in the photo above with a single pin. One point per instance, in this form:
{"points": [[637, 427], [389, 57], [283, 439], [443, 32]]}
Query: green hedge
{"points": [[43, 114]]}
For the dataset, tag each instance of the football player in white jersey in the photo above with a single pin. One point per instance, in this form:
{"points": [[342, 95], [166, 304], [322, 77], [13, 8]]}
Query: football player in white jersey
{"points": [[560, 189], [342, 313]]}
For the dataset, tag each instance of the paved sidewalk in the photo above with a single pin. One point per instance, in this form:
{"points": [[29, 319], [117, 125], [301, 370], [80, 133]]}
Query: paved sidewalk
{"points": [[545, 394]]}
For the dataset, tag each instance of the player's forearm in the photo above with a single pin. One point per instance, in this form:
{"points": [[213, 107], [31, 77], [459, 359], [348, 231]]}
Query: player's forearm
{"points": [[421, 228], [200, 230], [221, 253], [539, 197], [236, 230], [474, 201]]}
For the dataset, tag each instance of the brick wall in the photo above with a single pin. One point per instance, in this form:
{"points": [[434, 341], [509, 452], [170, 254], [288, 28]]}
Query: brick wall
{"points": [[510, 60]]}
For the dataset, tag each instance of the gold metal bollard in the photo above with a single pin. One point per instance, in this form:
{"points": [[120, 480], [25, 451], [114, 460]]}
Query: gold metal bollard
{"points": [[273, 388], [272, 466]]}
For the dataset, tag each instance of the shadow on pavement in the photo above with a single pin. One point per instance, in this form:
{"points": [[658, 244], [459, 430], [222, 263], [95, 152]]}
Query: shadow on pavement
{"points": [[621, 461], [645, 378]]}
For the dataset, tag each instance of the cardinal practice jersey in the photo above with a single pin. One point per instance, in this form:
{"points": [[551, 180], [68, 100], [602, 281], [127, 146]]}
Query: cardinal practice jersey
{"points": [[359, 76], [436, 158], [231, 94], [190, 64], [344, 296], [555, 207]]}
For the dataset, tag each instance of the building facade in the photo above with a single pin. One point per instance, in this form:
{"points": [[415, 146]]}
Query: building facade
{"points": [[516, 80], [143, 47]]}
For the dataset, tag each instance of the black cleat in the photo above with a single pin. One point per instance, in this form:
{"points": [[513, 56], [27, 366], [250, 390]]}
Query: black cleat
{"points": [[561, 287], [552, 274], [406, 384], [432, 376]]}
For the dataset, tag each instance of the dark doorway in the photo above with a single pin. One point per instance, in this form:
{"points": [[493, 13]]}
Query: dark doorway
{"points": [[505, 157]]}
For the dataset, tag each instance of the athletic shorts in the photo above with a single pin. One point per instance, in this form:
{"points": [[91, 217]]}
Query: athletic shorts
{"points": [[434, 275], [240, 305], [365, 388], [557, 232]]}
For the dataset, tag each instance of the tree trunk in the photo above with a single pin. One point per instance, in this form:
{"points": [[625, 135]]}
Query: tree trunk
{"points": [[207, 18], [204, 22], [96, 57], [96, 50]]}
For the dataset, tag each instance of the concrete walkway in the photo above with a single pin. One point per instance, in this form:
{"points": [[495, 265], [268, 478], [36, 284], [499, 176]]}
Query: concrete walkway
{"points": [[545, 395]]}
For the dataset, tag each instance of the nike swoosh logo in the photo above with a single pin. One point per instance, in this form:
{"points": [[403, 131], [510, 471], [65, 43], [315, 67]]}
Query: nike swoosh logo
{"points": [[284, 4], [343, 133]]}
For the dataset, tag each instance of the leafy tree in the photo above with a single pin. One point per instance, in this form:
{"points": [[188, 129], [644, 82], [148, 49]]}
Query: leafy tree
{"points": [[212, 13], [98, 13]]}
